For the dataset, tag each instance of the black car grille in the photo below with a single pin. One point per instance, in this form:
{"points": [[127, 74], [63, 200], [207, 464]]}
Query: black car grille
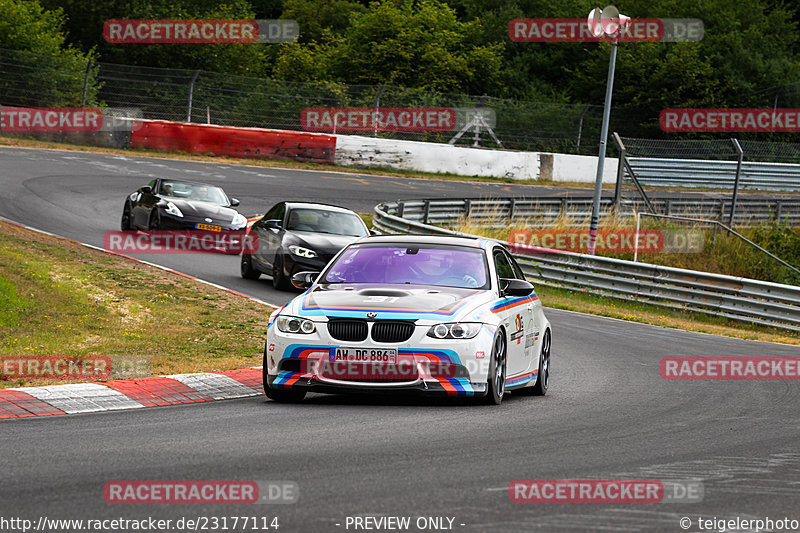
{"points": [[392, 331], [355, 330], [348, 330]]}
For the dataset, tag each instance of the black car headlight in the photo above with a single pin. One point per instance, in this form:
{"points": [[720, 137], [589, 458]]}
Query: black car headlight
{"points": [[295, 324], [455, 330], [173, 210], [302, 252], [239, 221]]}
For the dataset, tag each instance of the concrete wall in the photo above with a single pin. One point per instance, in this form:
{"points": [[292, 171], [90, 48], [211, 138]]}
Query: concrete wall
{"points": [[357, 151], [569, 167], [353, 150]]}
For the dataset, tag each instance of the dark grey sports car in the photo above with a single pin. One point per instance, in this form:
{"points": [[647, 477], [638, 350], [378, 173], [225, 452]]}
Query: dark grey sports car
{"points": [[299, 236], [167, 204]]}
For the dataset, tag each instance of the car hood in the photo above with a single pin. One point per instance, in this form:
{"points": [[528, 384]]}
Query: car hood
{"points": [[322, 242], [405, 302], [195, 209]]}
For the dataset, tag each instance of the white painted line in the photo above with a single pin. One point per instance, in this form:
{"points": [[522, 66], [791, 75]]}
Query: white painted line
{"points": [[81, 397]]}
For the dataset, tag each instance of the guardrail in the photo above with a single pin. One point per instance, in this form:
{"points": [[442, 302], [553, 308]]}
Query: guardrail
{"points": [[708, 173], [741, 299], [498, 212]]}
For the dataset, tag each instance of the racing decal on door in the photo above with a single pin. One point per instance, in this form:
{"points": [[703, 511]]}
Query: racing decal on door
{"points": [[530, 342], [520, 331]]}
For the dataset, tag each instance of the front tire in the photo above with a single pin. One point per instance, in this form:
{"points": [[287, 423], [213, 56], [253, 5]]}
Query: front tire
{"points": [[497, 370], [279, 395], [154, 224], [126, 223], [246, 267], [279, 281]]}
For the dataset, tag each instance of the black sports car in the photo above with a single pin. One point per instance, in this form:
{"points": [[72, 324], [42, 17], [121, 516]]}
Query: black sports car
{"points": [[297, 236], [166, 204]]}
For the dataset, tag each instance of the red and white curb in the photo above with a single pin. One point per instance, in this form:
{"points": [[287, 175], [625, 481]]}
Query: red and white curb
{"points": [[177, 389], [76, 398]]}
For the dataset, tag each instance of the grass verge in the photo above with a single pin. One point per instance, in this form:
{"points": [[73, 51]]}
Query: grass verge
{"points": [[60, 298]]}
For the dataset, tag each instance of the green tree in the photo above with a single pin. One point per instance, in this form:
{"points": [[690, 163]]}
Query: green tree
{"points": [[402, 42], [40, 69], [86, 19]]}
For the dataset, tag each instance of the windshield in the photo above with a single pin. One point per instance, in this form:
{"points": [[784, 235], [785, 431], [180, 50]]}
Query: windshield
{"points": [[448, 266], [194, 191], [320, 221]]}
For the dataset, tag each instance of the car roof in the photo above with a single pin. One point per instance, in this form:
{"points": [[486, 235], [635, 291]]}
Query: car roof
{"points": [[321, 207], [450, 240]]}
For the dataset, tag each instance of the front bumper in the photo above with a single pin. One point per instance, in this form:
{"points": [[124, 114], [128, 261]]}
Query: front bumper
{"points": [[298, 381], [231, 239], [423, 365]]}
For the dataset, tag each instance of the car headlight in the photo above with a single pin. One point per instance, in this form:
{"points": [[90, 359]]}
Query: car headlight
{"points": [[295, 324], [302, 252], [172, 209], [239, 221], [455, 330]]}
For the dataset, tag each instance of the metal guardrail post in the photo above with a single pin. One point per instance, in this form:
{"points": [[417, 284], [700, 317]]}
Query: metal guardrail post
{"points": [[191, 93], [377, 106], [736, 181], [86, 83], [426, 211], [623, 152], [580, 127]]}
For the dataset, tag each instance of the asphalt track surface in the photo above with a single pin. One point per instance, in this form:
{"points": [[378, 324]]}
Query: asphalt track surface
{"points": [[608, 413]]}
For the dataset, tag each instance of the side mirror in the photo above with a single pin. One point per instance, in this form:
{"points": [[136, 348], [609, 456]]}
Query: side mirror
{"points": [[304, 280], [146, 190], [273, 224], [515, 287], [234, 202], [373, 232]]}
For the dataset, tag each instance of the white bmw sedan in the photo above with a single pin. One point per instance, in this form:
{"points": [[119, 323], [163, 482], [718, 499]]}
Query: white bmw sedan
{"points": [[423, 314]]}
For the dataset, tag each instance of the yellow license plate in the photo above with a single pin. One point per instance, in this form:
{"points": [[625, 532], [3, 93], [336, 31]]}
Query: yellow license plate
{"points": [[209, 227]]}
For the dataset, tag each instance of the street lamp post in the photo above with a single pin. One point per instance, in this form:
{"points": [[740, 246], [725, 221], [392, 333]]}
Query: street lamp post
{"points": [[610, 22]]}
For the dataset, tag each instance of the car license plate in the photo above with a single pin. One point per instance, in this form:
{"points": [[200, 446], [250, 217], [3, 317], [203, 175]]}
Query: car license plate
{"points": [[364, 355], [209, 227]]}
